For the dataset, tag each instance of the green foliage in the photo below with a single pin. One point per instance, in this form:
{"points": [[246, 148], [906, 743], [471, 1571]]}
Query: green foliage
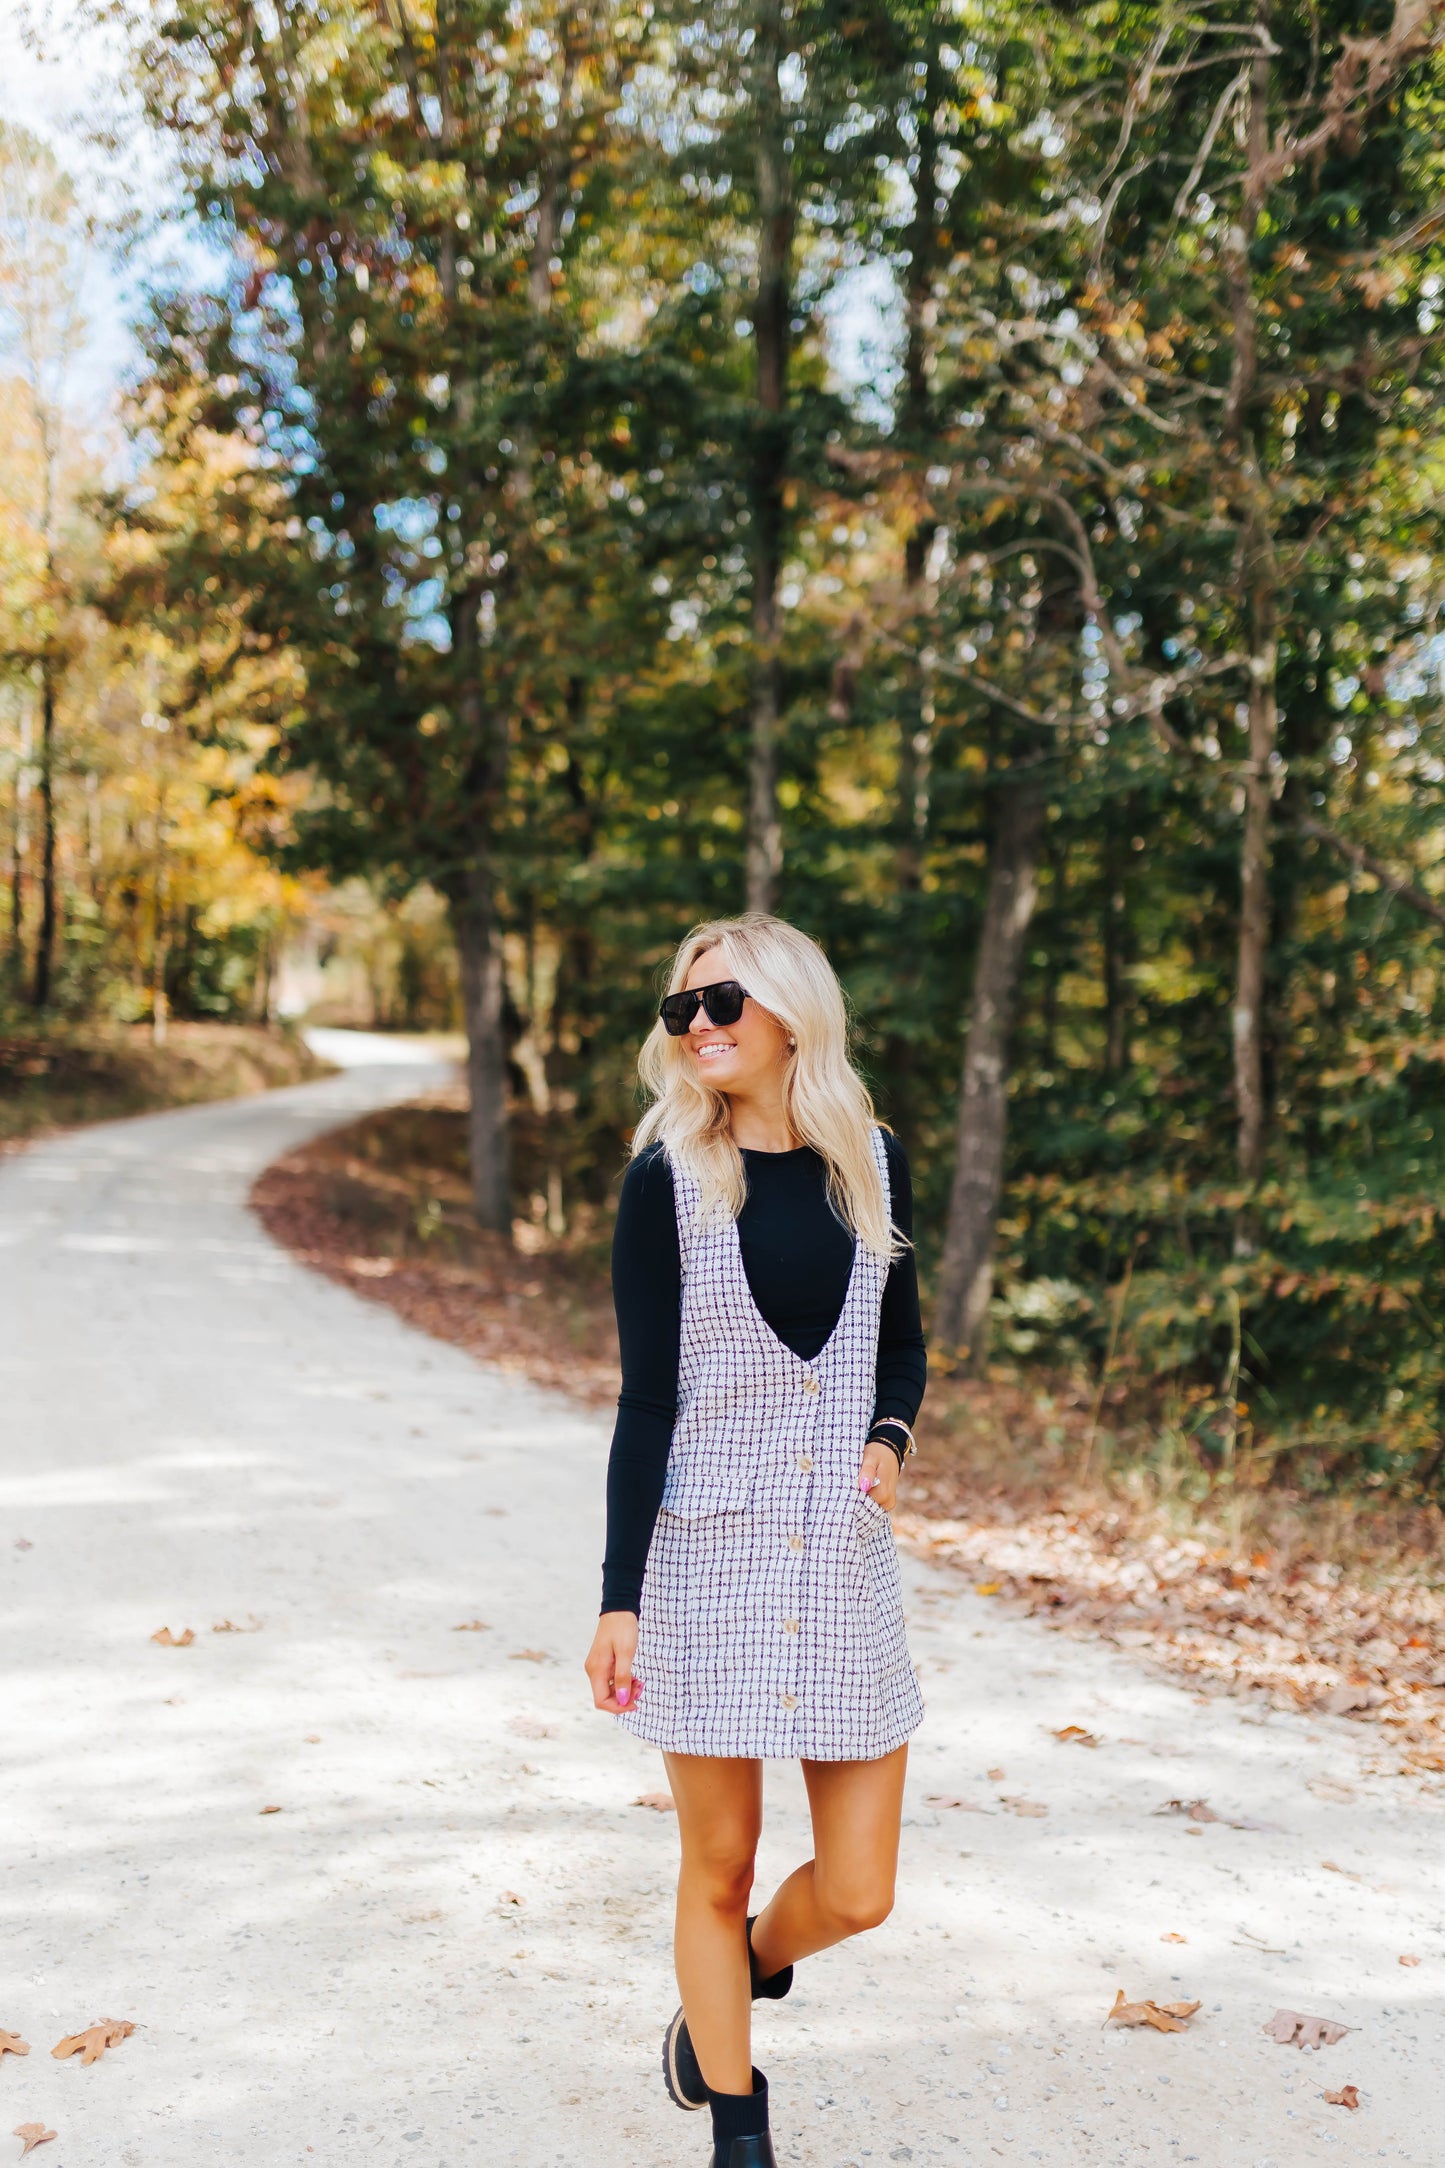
{"points": [[1144, 476]]}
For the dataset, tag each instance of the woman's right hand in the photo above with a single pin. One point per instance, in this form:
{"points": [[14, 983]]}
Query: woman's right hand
{"points": [[609, 1662]]}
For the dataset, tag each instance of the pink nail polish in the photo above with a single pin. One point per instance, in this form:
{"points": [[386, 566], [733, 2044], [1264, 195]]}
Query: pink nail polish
{"points": [[866, 1482], [622, 1696]]}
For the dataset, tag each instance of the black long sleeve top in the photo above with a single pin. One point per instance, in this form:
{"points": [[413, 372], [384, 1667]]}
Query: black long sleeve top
{"points": [[798, 1257]]}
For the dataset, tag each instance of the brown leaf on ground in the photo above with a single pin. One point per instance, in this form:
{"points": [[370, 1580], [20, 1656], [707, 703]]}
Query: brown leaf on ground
{"points": [[91, 2044], [1291, 2029], [660, 1802], [531, 1727], [1075, 1735], [1198, 1810], [1016, 1805], [1348, 2096], [951, 1799], [1409, 1960], [12, 2044], [229, 1626], [472, 1626], [1163, 2016], [167, 1640], [32, 2135], [530, 1656], [987, 1588], [1173, 1938], [510, 1897], [995, 1776], [1349, 1874], [270, 1810]]}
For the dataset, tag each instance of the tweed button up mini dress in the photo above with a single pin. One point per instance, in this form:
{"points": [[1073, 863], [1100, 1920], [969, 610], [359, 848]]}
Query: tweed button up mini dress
{"points": [[771, 1621]]}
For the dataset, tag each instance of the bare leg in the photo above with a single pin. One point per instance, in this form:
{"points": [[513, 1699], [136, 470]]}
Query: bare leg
{"points": [[719, 1818], [847, 1886]]}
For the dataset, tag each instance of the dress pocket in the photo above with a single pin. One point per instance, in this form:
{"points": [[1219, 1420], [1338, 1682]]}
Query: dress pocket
{"points": [[693, 1494]]}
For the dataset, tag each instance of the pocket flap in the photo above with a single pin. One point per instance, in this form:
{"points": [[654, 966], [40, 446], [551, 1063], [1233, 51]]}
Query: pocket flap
{"points": [[693, 1493]]}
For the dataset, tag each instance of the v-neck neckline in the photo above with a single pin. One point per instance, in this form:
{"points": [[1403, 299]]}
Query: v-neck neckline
{"points": [[808, 1362]]}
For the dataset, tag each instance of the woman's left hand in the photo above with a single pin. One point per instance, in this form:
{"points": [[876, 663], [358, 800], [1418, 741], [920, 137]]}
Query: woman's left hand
{"points": [[880, 1462]]}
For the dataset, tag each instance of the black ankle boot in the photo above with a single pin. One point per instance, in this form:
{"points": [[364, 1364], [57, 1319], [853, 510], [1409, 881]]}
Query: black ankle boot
{"points": [[746, 2153], [776, 1985]]}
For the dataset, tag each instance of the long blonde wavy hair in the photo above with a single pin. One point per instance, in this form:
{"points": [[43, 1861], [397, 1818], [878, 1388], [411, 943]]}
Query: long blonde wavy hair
{"points": [[826, 1101]]}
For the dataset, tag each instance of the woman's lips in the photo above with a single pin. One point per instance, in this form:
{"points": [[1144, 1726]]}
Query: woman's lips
{"points": [[713, 1047]]}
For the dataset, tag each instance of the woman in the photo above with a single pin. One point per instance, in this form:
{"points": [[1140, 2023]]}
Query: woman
{"points": [[772, 1365]]}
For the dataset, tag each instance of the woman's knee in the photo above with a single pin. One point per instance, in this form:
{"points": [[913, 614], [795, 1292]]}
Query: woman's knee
{"points": [[855, 1903], [722, 1871]]}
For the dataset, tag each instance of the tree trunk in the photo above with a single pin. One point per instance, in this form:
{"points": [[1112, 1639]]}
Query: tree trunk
{"points": [[965, 1274], [1115, 943], [1254, 911], [45, 938], [771, 328], [19, 852], [479, 954]]}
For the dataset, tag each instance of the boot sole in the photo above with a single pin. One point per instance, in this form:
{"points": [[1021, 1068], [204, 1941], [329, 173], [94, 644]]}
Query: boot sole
{"points": [[671, 2076]]}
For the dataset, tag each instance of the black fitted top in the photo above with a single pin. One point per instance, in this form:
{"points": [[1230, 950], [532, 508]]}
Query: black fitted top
{"points": [[798, 1257]]}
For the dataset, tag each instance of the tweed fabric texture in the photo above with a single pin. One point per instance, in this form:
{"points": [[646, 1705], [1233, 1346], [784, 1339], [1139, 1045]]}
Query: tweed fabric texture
{"points": [[771, 1622]]}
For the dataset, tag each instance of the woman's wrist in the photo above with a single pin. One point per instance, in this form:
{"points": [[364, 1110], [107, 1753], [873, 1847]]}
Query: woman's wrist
{"points": [[897, 1437]]}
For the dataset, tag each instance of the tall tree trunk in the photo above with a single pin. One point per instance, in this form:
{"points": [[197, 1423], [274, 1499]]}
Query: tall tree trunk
{"points": [[772, 314], [479, 955], [1115, 943], [1259, 606], [1254, 900], [19, 851], [965, 1273], [45, 938]]}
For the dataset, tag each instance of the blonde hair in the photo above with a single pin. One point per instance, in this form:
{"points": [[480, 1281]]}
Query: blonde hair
{"points": [[826, 1101]]}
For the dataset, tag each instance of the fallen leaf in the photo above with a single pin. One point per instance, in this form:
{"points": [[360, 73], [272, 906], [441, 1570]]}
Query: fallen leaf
{"points": [[995, 1776], [660, 1802], [229, 1626], [1198, 1810], [313, 1738], [1075, 1735], [1348, 1872], [1173, 1938], [1409, 1960], [1291, 2029], [1348, 2096], [530, 1656], [1016, 1805], [91, 2044], [372, 1268], [23, 1543], [167, 1640], [12, 2044], [951, 1799], [472, 1626], [531, 1727], [510, 1897], [987, 1588], [1163, 2016], [270, 1810], [33, 2134], [1331, 1788]]}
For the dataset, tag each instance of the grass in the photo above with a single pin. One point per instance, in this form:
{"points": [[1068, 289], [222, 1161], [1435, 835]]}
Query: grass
{"points": [[58, 1076]]}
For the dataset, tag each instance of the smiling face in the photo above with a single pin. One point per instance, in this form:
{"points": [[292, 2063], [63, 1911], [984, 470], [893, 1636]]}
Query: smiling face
{"points": [[742, 1058]]}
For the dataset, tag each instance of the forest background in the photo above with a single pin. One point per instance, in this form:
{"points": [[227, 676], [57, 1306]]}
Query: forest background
{"points": [[965, 476]]}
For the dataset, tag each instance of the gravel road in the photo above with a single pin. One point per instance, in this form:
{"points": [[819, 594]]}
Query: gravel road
{"points": [[446, 1945]]}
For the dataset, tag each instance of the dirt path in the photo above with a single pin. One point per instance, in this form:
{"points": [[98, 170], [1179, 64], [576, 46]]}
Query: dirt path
{"points": [[449, 1948]]}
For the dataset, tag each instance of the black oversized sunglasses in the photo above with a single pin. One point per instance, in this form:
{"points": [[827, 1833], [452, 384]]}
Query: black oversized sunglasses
{"points": [[723, 1003]]}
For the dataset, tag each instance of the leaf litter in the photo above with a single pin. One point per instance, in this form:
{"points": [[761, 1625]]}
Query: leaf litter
{"points": [[31, 2135], [167, 1640], [660, 1802], [1292, 2029], [1168, 2017], [91, 2044], [1348, 2096], [12, 2044]]}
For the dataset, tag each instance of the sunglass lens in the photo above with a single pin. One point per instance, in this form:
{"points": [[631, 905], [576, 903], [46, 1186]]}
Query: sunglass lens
{"points": [[723, 1002], [678, 1011]]}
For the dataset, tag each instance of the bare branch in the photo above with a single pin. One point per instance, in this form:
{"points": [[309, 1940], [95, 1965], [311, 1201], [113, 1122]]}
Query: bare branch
{"points": [[1355, 854]]}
